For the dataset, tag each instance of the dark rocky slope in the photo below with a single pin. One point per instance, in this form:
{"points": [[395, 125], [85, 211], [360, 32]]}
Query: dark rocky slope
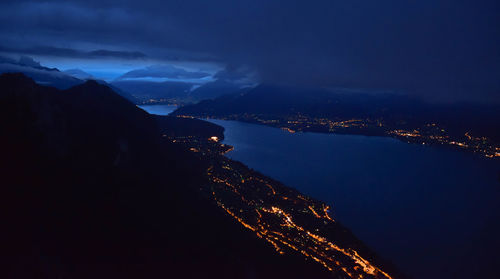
{"points": [[90, 190]]}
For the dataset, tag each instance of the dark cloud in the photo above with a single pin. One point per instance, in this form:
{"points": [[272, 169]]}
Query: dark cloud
{"points": [[24, 61], [116, 54], [434, 48], [238, 75], [39, 73], [79, 74], [28, 61], [73, 53]]}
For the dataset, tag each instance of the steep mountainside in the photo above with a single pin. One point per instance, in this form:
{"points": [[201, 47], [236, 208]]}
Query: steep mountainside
{"points": [[214, 89], [91, 190]]}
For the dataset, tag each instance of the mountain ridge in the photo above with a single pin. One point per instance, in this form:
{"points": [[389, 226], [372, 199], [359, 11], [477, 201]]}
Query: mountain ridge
{"points": [[92, 189]]}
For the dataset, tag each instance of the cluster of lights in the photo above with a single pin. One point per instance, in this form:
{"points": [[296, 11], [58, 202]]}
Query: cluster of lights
{"points": [[269, 210], [287, 220], [429, 133]]}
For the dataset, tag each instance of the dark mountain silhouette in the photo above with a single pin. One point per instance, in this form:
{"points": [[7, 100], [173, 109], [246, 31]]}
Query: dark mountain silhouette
{"points": [[182, 127], [282, 100], [215, 89], [52, 76], [90, 190], [39, 73], [30, 62], [78, 73], [123, 93]]}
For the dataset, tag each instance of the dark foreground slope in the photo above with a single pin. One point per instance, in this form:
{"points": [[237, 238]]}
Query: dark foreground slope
{"points": [[90, 190]]}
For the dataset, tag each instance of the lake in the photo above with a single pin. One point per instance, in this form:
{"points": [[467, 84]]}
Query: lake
{"points": [[434, 212]]}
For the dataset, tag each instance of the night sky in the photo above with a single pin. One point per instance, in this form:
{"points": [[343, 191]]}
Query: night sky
{"points": [[441, 50]]}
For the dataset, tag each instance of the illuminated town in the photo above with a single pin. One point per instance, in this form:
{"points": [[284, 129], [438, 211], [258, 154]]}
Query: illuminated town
{"points": [[428, 134], [287, 220]]}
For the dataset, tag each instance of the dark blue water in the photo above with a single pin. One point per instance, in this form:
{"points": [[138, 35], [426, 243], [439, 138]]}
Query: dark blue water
{"points": [[432, 211]]}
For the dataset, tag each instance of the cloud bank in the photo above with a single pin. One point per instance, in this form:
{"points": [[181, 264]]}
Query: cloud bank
{"points": [[164, 71], [438, 49]]}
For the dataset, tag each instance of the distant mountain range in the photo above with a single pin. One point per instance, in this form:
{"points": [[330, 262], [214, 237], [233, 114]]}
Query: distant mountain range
{"points": [[154, 92], [170, 92], [130, 85], [41, 74], [163, 72], [79, 74], [216, 89]]}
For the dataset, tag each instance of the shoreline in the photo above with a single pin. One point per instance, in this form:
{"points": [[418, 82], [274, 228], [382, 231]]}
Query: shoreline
{"points": [[407, 138]]}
